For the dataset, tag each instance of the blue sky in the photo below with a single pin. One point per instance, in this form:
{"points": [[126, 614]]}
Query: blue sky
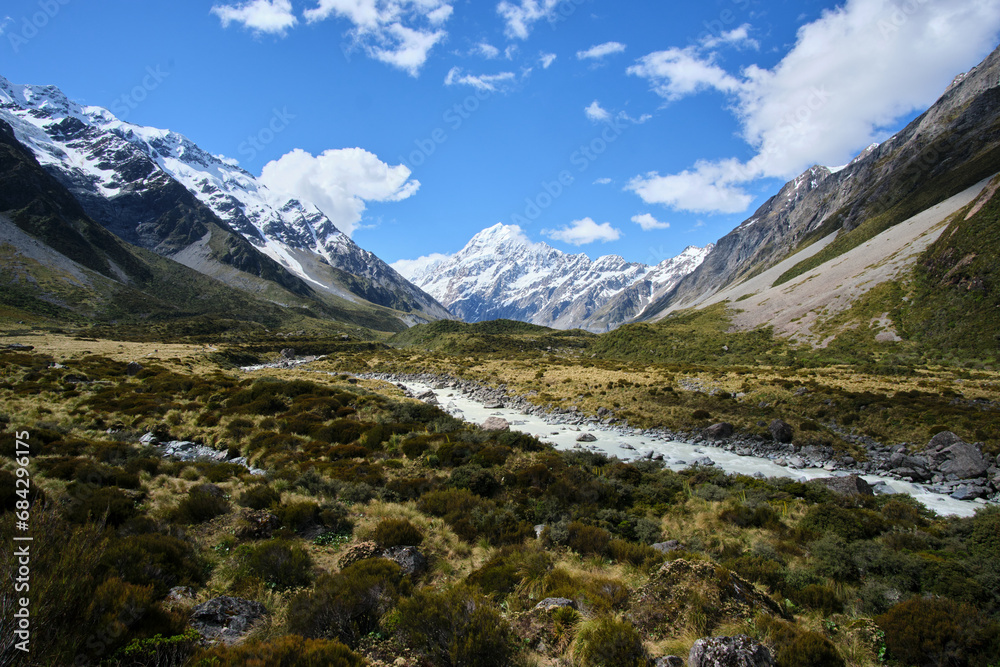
{"points": [[633, 127]]}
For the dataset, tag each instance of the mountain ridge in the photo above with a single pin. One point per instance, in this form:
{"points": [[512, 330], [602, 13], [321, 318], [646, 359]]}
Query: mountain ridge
{"points": [[501, 274]]}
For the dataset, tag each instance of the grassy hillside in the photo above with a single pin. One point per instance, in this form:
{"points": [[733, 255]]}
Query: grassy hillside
{"points": [[492, 337], [354, 469]]}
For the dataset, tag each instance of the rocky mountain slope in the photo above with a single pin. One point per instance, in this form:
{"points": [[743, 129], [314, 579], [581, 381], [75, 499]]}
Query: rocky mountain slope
{"points": [[949, 148], [501, 274], [158, 190]]}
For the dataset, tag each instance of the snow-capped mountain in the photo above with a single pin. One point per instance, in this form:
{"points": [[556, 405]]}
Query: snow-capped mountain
{"points": [[500, 273], [126, 177]]}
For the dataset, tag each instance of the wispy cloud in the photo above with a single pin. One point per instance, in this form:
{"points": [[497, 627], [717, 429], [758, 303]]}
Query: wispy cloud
{"points": [[486, 50], [490, 82], [601, 51], [649, 223], [603, 181], [400, 33], [547, 59], [582, 232], [261, 16], [738, 37], [521, 17]]}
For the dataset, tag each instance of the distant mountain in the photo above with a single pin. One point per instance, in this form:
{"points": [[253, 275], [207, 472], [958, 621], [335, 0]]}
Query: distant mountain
{"points": [[158, 190], [825, 213], [56, 263], [501, 274]]}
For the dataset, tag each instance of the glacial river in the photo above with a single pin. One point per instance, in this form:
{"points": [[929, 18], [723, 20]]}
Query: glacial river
{"points": [[677, 455]]}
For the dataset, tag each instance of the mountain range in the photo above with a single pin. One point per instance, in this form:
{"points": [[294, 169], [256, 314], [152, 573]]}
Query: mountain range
{"points": [[96, 213], [158, 190], [501, 274]]}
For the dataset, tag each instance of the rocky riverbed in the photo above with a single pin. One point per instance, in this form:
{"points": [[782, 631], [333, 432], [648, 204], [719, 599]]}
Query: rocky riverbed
{"points": [[949, 475]]}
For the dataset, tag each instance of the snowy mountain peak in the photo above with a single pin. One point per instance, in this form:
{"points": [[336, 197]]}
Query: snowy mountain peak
{"points": [[100, 158], [501, 273]]}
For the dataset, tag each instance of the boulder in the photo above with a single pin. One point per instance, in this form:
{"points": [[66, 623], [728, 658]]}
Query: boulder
{"points": [[586, 437], [495, 424], [288, 353], [969, 492], [668, 546], [852, 485], [942, 440], [548, 604], [409, 559], [738, 651], [963, 461], [493, 405], [781, 431], [226, 619], [719, 431], [133, 368], [669, 661]]}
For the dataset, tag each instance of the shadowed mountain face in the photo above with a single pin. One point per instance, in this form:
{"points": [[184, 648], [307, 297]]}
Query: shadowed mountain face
{"points": [[158, 190], [949, 148], [57, 262]]}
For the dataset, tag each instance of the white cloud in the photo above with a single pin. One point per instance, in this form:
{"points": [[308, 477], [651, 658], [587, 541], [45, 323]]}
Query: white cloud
{"points": [[595, 113], [581, 232], [851, 75], [486, 50], [261, 16], [649, 223], [521, 17], [601, 51], [603, 181], [490, 82], [547, 59], [712, 187], [676, 73], [412, 268], [339, 182], [738, 37], [400, 33]]}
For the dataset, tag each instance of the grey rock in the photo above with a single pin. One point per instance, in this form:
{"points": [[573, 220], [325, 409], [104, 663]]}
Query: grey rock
{"points": [[852, 485], [493, 405], [226, 619], [180, 594], [549, 604], [668, 546], [781, 431], [409, 559], [969, 492], [942, 440], [133, 368], [288, 353], [495, 424], [738, 651], [669, 661], [586, 437], [719, 431], [963, 460]]}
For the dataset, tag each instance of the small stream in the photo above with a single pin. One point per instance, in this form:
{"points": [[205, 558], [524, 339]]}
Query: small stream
{"points": [[632, 444]]}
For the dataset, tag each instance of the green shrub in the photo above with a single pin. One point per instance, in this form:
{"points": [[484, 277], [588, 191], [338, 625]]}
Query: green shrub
{"points": [[152, 559], [109, 504], [809, 649], [299, 516], [456, 628], [609, 642], [281, 652], [744, 516], [397, 533], [937, 631], [701, 414], [200, 506], [474, 478], [348, 605], [585, 539], [280, 563], [821, 598], [260, 497], [624, 551], [850, 524]]}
